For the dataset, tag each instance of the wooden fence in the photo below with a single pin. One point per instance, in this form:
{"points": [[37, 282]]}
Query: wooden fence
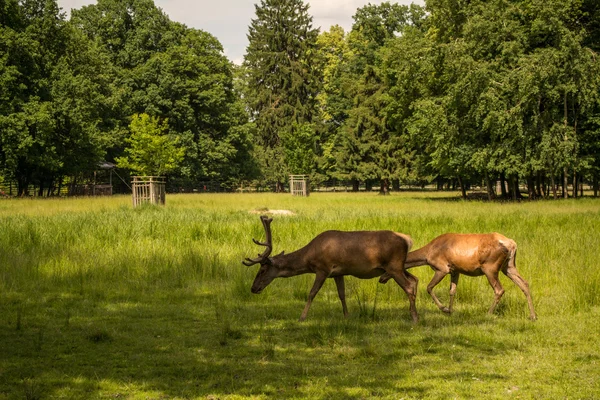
{"points": [[148, 189], [299, 185]]}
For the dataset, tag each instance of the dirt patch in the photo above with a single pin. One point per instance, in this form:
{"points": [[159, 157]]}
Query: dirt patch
{"points": [[272, 212]]}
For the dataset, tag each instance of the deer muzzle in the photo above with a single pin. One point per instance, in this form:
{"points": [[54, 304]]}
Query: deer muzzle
{"points": [[256, 290]]}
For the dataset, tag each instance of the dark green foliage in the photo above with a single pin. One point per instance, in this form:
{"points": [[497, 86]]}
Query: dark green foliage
{"points": [[503, 89], [69, 88], [366, 146], [282, 86], [53, 98], [169, 71], [471, 91]]}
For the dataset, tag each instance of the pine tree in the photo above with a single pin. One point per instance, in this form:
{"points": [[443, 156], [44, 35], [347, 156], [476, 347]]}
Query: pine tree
{"points": [[282, 85], [366, 148]]}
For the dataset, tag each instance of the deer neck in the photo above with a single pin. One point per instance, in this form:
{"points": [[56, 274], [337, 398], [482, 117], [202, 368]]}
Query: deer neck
{"points": [[294, 263], [417, 257]]}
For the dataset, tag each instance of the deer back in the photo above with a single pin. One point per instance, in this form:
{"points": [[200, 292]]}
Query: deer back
{"points": [[351, 253]]}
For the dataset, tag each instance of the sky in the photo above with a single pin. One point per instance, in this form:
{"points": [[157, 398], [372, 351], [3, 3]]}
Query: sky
{"points": [[228, 20]]}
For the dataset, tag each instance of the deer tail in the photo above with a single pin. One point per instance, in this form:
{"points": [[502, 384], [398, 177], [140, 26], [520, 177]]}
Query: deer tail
{"points": [[511, 248]]}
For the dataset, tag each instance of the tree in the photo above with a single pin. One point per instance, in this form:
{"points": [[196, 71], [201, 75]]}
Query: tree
{"points": [[410, 65], [175, 73], [545, 80], [152, 151], [366, 148], [501, 92], [333, 103], [52, 99], [282, 84]]}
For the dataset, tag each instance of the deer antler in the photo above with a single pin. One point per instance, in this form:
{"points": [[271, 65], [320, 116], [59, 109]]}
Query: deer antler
{"points": [[266, 221]]}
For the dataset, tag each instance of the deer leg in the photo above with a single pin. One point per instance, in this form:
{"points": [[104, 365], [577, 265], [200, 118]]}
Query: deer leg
{"points": [[339, 282], [384, 278], [319, 280], [437, 277], [408, 283], [498, 290], [414, 283], [414, 263], [453, 285], [514, 276]]}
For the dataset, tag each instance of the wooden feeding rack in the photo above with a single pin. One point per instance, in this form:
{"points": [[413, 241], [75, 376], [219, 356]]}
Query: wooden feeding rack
{"points": [[148, 189], [299, 185]]}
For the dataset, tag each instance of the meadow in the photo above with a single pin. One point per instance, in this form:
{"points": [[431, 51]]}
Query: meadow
{"points": [[100, 300]]}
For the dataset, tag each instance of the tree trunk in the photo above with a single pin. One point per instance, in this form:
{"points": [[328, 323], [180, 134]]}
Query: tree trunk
{"points": [[396, 185], [544, 186], [22, 186], [462, 188], [595, 184], [538, 186], [565, 183], [368, 185], [279, 187], [530, 187], [574, 184], [517, 190], [73, 186], [50, 188], [553, 183], [384, 186], [513, 188], [490, 189], [355, 185], [503, 186]]}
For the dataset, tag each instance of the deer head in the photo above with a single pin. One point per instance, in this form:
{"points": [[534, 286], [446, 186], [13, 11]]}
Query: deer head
{"points": [[267, 271]]}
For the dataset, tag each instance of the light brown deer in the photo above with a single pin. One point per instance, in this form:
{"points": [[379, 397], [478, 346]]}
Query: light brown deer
{"points": [[473, 255], [334, 254]]}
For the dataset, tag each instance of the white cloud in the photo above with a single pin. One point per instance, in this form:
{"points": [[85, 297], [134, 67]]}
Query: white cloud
{"points": [[228, 20]]}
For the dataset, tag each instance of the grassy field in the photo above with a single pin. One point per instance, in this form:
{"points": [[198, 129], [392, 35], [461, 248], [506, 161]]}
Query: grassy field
{"points": [[98, 300]]}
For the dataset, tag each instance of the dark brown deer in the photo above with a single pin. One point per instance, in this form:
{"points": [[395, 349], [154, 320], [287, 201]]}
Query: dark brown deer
{"points": [[473, 255], [334, 254]]}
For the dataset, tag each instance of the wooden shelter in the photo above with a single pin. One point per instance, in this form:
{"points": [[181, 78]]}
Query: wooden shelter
{"points": [[148, 189], [299, 185]]}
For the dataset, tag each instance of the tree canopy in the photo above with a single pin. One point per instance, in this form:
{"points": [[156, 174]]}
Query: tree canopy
{"points": [[457, 92]]}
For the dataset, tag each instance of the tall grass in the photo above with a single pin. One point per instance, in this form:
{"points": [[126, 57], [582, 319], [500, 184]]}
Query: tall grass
{"points": [[195, 241]]}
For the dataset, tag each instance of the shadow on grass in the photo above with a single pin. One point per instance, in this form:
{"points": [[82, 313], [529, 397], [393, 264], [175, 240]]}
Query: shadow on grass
{"points": [[472, 197], [188, 344]]}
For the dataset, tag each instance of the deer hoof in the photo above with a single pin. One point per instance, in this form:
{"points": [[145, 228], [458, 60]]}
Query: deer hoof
{"points": [[446, 310]]}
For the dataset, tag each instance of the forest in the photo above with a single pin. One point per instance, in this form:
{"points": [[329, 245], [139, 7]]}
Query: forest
{"points": [[462, 92]]}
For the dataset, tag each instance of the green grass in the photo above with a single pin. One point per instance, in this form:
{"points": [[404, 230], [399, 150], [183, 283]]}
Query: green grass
{"points": [[98, 300]]}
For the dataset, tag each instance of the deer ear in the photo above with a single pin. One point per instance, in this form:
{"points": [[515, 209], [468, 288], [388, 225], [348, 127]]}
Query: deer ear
{"points": [[280, 254]]}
